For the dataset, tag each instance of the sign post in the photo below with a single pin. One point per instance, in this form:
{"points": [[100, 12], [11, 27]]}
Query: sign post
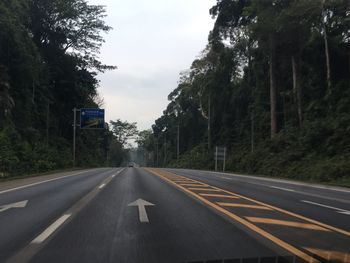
{"points": [[224, 165], [220, 155], [89, 119], [92, 119], [74, 132], [216, 158]]}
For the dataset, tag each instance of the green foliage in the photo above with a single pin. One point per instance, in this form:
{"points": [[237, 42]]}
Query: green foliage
{"points": [[123, 131], [196, 158], [258, 48], [48, 66], [8, 157]]}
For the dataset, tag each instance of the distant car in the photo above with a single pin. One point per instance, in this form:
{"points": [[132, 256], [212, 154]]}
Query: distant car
{"points": [[131, 164]]}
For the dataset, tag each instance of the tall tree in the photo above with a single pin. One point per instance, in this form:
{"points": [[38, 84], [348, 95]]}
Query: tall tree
{"points": [[123, 131]]}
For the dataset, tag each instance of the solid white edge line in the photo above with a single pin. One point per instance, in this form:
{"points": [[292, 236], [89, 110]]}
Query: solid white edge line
{"points": [[48, 231], [261, 178], [325, 206], [46, 181], [41, 182], [317, 186]]}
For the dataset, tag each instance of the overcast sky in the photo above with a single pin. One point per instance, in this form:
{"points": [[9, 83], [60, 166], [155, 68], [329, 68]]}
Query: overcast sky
{"points": [[152, 41]]}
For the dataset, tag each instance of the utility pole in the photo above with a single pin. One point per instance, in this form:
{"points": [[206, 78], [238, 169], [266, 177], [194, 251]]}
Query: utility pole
{"points": [[252, 131], [178, 142], [157, 153], [209, 117], [74, 132], [165, 149], [47, 122], [33, 91], [216, 158], [224, 165]]}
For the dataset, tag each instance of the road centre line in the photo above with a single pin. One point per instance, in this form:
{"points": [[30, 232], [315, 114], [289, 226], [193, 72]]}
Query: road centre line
{"points": [[48, 231], [286, 223], [101, 186], [246, 223]]}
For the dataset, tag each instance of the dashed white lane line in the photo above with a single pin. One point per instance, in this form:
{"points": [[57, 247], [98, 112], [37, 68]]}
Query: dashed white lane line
{"points": [[338, 210], [48, 231], [281, 188], [101, 186]]}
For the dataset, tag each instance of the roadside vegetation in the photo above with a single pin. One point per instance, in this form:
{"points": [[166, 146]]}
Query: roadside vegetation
{"points": [[272, 85], [48, 66]]}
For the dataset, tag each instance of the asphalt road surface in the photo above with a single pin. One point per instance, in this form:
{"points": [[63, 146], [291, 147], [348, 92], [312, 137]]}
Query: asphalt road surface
{"points": [[168, 215]]}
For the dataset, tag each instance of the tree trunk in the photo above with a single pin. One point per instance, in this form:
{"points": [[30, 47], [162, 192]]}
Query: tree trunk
{"points": [[297, 90], [273, 88], [209, 124], [329, 83], [252, 95], [349, 49], [47, 123], [326, 50]]}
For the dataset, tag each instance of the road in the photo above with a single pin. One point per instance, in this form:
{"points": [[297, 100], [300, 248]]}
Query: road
{"points": [[171, 215]]}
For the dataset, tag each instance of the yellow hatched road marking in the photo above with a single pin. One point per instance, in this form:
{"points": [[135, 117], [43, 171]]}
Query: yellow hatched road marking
{"points": [[219, 195], [188, 184], [183, 180], [203, 189], [243, 206], [330, 255], [335, 229], [244, 222], [286, 223]]}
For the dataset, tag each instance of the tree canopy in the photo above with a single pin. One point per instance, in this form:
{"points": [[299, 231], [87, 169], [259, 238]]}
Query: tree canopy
{"points": [[272, 86], [48, 65]]}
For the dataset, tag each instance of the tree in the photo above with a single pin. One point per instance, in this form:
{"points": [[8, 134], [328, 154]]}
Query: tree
{"points": [[263, 81], [71, 26], [6, 101], [48, 66], [123, 131]]}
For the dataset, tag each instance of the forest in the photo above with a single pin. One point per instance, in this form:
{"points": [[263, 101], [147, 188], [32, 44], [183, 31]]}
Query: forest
{"points": [[272, 86], [48, 66]]}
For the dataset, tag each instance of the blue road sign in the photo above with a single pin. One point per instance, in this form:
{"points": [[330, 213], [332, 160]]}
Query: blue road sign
{"points": [[92, 118]]}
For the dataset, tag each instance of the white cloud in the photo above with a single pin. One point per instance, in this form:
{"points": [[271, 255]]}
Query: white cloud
{"points": [[152, 42]]}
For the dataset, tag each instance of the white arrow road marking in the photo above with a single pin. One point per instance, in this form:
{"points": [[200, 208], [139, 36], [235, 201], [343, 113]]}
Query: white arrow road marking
{"points": [[338, 210], [141, 204], [21, 204]]}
